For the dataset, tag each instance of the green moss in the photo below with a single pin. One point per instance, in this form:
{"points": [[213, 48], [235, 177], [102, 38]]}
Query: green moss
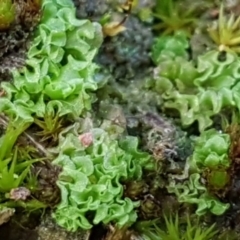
{"points": [[176, 230], [225, 33], [174, 16]]}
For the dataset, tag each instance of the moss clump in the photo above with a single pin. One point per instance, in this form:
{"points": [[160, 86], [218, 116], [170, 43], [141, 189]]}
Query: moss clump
{"points": [[226, 32], [174, 16], [177, 229]]}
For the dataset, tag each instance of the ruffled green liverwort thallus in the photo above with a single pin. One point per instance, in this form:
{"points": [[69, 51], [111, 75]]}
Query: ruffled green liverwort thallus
{"points": [[94, 167], [209, 174], [187, 89], [211, 157]]}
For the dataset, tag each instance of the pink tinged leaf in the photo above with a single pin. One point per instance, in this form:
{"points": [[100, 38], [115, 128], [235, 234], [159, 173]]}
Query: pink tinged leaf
{"points": [[86, 139]]}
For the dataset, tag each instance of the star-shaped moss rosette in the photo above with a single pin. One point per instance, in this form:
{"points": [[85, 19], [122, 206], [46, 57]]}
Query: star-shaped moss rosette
{"points": [[93, 167], [226, 32], [192, 90], [175, 228], [174, 16], [57, 79], [209, 175]]}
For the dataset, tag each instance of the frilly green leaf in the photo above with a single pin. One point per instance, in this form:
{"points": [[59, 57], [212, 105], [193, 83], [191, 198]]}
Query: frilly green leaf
{"points": [[194, 192], [211, 150], [59, 69], [210, 157], [91, 178], [192, 90]]}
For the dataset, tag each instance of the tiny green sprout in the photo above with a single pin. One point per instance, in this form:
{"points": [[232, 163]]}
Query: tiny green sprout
{"points": [[174, 17], [51, 126], [13, 174], [8, 178], [105, 19], [7, 14], [226, 32], [32, 181], [25, 152], [29, 206]]}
